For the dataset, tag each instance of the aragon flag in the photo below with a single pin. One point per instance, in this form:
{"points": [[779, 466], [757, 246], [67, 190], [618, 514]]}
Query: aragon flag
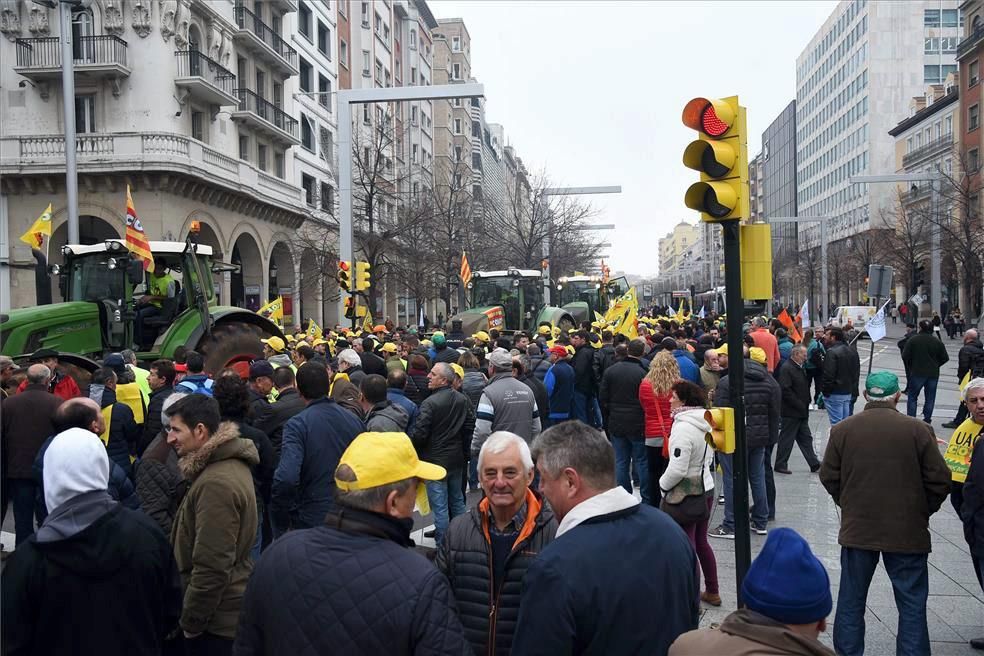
{"points": [[136, 240]]}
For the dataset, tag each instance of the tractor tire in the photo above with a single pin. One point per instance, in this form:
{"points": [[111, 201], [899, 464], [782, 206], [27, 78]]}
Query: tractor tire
{"points": [[566, 323], [231, 342]]}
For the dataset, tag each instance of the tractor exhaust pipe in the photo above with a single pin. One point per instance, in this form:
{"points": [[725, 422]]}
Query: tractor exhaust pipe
{"points": [[42, 282]]}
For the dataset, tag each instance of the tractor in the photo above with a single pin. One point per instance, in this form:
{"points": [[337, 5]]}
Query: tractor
{"points": [[508, 300], [101, 283], [583, 296]]}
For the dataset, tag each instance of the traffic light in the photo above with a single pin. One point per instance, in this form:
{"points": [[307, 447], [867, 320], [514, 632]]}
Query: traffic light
{"points": [[363, 276], [918, 276], [345, 275], [350, 307], [721, 156]]}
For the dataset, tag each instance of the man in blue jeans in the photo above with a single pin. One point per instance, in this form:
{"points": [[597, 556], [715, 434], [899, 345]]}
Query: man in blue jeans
{"points": [[923, 356], [624, 418], [886, 473], [841, 373]]}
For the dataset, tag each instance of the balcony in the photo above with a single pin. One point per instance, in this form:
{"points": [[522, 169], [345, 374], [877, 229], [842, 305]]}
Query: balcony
{"points": [[970, 42], [286, 6], [205, 79], [258, 37], [931, 150], [96, 57], [262, 115]]}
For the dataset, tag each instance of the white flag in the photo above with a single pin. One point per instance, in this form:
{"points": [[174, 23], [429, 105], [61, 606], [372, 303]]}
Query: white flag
{"points": [[805, 313], [875, 327], [700, 315], [670, 312], [421, 321]]}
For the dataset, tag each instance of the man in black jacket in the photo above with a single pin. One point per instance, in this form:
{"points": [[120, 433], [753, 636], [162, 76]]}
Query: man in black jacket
{"points": [[442, 435], [924, 354], [970, 360], [972, 509], [795, 412], [355, 572], [604, 357], [161, 381], [762, 412], [488, 550], [841, 372], [371, 363], [585, 385], [278, 413], [625, 419]]}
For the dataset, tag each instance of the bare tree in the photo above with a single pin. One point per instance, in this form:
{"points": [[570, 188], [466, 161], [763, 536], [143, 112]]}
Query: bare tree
{"points": [[454, 227], [908, 243]]}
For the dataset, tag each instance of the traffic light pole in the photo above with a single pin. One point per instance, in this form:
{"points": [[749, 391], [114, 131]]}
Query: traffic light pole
{"points": [[736, 392]]}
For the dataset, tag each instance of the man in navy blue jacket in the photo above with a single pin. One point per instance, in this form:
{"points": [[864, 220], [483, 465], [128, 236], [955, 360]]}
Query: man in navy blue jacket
{"points": [[559, 382], [577, 598], [314, 440]]}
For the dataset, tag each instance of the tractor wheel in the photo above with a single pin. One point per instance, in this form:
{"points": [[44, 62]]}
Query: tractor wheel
{"points": [[565, 324], [231, 343]]}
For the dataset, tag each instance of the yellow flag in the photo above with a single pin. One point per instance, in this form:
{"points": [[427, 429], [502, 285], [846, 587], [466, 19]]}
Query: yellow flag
{"points": [[274, 310], [314, 330], [367, 322], [34, 237], [624, 313]]}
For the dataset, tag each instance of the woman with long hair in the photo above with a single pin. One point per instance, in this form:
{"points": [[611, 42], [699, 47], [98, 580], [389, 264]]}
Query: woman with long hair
{"points": [[654, 395]]}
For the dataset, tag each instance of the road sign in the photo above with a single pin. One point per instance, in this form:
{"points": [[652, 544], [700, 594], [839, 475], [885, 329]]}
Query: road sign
{"points": [[880, 281], [916, 299]]}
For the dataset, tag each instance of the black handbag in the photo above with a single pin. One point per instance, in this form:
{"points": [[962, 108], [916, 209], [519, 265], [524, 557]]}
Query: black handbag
{"points": [[686, 503]]}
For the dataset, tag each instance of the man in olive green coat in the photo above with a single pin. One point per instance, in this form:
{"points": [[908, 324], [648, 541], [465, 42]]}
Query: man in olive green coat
{"points": [[215, 527]]}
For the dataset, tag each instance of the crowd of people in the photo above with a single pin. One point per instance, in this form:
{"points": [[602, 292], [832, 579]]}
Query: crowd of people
{"points": [[268, 507]]}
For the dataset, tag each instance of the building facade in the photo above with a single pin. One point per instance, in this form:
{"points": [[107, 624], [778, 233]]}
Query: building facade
{"points": [[184, 102], [849, 82], [779, 181], [756, 191]]}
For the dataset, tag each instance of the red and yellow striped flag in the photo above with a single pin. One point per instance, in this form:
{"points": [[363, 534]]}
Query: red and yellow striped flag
{"points": [[465, 272], [136, 240]]}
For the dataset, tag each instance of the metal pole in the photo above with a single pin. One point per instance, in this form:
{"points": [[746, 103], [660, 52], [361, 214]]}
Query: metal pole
{"points": [[823, 269], [736, 377], [936, 295], [346, 247], [68, 98], [871, 354], [545, 208]]}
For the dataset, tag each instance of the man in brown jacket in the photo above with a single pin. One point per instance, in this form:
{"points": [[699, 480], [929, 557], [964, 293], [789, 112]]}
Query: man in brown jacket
{"points": [[886, 473], [215, 526], [786, 594]]}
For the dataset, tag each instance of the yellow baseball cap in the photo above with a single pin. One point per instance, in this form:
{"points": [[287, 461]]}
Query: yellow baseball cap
{"points": [[381, 458], [758, 355], [389, 347], [458, 369], [319, 341], [482, 335], [275, 343], [722, 350], [543, 330]]}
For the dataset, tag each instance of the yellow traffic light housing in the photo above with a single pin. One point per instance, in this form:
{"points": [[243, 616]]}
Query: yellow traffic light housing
{"points": [[345, 275], [363, 276], [721, 156], [722, 421], [756, 261], [350, 307]]}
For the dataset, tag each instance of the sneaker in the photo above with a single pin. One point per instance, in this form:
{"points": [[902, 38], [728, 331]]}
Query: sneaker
{"points": [[721, 500], [711, 598], [813, 406], [760, 530], [951, 424], [782, 470], [814, 469], [723, 533]]}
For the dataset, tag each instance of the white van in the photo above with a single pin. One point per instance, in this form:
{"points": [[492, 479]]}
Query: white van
{"points": [[857, 314]]}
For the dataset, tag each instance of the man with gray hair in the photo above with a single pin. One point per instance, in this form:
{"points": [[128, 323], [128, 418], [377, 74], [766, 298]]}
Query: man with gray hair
{"points": [[441, 435], [488, 550], [970, 360], [507, 404], [578, 598], [350, 364]]}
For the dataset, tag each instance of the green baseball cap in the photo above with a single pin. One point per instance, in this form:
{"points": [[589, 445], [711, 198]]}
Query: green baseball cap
{"points": [[881, 384], [438, 339]]}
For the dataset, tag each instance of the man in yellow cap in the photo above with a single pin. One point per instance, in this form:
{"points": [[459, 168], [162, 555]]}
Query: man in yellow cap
{"points": [[482, 340], [275, 352], [356, 571], [391, 354]]}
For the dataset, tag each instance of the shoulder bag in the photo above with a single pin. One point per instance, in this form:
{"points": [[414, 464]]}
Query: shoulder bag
{"points": [[686, 503]]}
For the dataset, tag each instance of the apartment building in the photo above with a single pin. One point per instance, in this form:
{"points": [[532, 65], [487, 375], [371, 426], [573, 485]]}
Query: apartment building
{"points": [[185, 102], [453, 128], [778, 172]]}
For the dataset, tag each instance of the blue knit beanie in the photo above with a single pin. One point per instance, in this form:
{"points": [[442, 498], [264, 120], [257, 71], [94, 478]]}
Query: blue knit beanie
{"points": [[787, 582]]}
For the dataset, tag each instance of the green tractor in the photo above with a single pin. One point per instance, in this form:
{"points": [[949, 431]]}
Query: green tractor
{"points": [[507, 301], [582, 296], [100, 284]]}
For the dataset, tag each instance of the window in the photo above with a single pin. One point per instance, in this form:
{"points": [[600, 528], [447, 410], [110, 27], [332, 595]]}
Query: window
{"points": [[476, 129], [304, 19], [365, 113], [973, 160], [413, 75], [343, 53], [457, 153], [388, 79], [85, 113], [324, 92], [413, 115], [306, 75], [386, 34], [379, 25], [973, 74], [324, 40], [457, 102], [365, 63], [948, 122], [365, 14], [261, 157], [327, 197], [327, 145], [456, 44], [931, 17], [908, 145], [456, 71], [244, 148], [379, 70], [307, 133], [278, 163], [413, 154], [413, 39], [308, 183], [198, 125], [457, 126], [951, 18]]}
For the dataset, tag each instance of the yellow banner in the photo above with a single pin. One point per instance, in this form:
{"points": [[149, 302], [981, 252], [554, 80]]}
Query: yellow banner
{"points": [[274, 310], [34, 237], [961, 447], [314, 330], [623, 314]]}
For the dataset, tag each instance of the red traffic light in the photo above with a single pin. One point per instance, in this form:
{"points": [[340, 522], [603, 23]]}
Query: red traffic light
{"points": [[712, 117], [711, 124], [343, 265]]}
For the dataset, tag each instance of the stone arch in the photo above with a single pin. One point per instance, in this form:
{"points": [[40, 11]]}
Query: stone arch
{"points": [[281, 277], [309, 287], [247, 284]]}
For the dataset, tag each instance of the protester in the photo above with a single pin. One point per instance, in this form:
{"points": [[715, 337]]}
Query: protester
{"points": [[688, 367], [923, 355], [970, 364], [159, 482], [539, 390], [487, 551], [795, 412], [654, 396], [28, 420], [442, 435], [61, 384], [97, 577], [786, 596], [382, 415], [474, 381], [122, 431], [577, 597], [288, 404], [624, 419], [710, 372], [196, 380], [396, 384], [972, 507], [886, 474], [506, 404], [160, 380], [275, 352], [313, 441], [355, 572], [417, 370], [350, 364], [765, 341], [372, 364], [441, 351], [691, 468], [815, 354], [215, 526], [585, 385], [559, 381], [841, 374], [7, 368]]}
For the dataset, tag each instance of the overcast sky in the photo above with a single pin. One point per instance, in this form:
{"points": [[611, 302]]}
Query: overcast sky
{"points": [[593, 92]]}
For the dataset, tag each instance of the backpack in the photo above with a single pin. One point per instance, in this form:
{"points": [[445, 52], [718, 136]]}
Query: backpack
{"points": [[197, 387]]}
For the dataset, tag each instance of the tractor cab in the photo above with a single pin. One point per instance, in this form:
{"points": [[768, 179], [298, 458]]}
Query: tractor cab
{"points": [[583, 296], [519, 292]]}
